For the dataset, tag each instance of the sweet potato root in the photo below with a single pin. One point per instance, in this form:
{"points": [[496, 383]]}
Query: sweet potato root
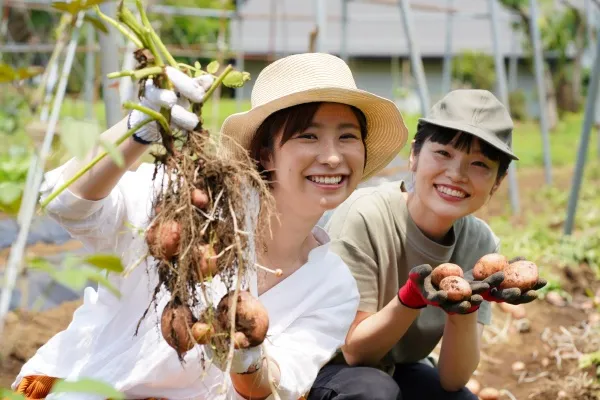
{"points": [[520, 274], [445, 270], [175, 325], [202, 332], [163, 239], [457, 288], [489, 265], [252, 319]]}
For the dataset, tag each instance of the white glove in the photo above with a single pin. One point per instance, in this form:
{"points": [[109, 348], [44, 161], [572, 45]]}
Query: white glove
{"points": [[186, 89], [244, 360]]}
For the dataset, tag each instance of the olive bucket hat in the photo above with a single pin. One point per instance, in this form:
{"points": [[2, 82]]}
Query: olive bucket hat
{"points": [[477, 112]]}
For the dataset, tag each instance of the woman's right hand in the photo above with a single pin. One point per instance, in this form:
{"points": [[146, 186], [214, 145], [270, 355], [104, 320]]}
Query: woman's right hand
{"points": [[186, 90]]}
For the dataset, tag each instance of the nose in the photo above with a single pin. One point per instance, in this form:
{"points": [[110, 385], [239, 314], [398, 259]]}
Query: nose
{"points": [[457, 171], [330, 155]]}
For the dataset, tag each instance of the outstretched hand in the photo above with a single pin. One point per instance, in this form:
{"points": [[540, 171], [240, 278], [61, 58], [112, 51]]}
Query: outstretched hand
{"points": [[509, 295], [419, 291]]}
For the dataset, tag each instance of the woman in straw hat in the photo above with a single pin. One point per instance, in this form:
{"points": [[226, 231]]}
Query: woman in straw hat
{"points": [[391, 238], [316, 136]]}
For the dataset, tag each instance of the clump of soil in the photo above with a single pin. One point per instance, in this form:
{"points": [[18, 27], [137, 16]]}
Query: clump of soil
{"points": [[25, 332]]}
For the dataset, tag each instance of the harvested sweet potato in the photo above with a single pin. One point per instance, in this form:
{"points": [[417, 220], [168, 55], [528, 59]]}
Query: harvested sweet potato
{"points": [[163, 239], [199, 198], [489, 393], [252, 318], [240, 341], [457, 288], [202, 332], [207, 264], [445, 270], [521, 274], [489, 265], [175, 325]]}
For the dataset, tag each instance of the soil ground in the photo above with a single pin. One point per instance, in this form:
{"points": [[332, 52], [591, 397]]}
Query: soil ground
{"points": [[547, 341]]}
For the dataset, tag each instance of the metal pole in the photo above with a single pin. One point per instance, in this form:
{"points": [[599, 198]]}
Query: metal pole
{"points": [[447, 68], [588, 121], [109, 63], [415, 55], [321, 19], [27, 208], [513, 66], [239, 61], [541, 87], [90, 73], [344, 35], [503, 92]]}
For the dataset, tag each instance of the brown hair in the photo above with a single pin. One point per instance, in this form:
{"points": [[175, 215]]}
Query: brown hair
{"points": [[293, 119]]}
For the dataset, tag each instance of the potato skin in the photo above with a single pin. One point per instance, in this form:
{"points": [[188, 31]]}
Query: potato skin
{"points": [[252, 318], [163, 240], [489, 265], [520, 274], [457, 288], [202, 332], [445, 270], [206, 266], [175, 323], [199, 198]]}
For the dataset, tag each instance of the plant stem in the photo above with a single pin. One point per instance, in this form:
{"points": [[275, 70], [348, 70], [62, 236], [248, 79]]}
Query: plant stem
{"points": [[217, 82], [95, 161], [137, 74], [153, 114], [129, 35], [163, 48], [147, 31], [126, 16]]}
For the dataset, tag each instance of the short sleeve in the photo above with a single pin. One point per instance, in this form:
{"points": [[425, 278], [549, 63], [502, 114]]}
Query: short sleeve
{"points": [[350, 239]]}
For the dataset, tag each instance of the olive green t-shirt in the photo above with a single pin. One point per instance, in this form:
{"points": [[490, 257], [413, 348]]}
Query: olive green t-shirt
{"points": [[374, 234]]}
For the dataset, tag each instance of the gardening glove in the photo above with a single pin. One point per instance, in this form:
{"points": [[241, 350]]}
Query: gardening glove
{"points": [[186, 90], [511, 295], [244, 360], [419, 292]]}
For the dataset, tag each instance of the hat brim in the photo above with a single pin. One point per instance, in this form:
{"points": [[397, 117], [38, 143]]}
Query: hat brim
{"points": [[386, 130], [473, 130]]}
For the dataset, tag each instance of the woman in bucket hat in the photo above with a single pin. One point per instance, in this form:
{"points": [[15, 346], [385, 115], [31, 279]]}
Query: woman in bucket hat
{"points": [[391, 238], [316, 136]]}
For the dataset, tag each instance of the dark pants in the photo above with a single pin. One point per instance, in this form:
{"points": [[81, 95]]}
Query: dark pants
{"points": [[410, 382]]}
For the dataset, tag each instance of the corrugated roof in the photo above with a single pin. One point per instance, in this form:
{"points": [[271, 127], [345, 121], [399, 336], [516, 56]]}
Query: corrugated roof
{"points": [[374, 29]]}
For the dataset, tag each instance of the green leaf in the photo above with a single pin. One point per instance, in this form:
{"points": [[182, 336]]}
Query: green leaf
{"points": [[73, 278], [86, 385], [102, 280], [107, 262], [96, 22], [10, 192], [113, 152], [6, 394], [73, 7], [78, 137], [28, 72], [234, 79], [213, 67], [42, 264], [197, 65]]}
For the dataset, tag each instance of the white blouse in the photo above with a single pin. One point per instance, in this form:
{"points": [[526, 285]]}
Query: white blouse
{"points": [[309, 312]]}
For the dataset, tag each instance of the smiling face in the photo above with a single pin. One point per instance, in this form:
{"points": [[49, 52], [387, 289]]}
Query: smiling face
{"points": [[453, 177], [319, 166]]}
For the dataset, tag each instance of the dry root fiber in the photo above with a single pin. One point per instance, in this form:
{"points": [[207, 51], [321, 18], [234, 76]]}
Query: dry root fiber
{"points": [[195, 235]]}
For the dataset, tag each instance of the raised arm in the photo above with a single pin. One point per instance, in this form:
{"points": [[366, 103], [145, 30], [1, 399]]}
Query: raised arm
{"points": [[98, 182]]}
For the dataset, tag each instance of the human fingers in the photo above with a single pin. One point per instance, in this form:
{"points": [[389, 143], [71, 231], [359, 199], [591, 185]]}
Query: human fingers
{"points": [[155, 97], [495, 279], [187, 86], [183, 118]]}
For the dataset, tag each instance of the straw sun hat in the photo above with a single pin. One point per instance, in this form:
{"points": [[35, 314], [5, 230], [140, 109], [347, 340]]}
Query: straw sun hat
{"points": [[319, 77]]}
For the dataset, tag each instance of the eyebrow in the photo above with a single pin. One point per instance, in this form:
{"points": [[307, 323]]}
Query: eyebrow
{"points": [[340, 126]]}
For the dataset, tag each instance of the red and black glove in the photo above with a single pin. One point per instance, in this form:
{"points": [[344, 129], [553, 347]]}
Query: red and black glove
{"points": [[509, 295], [419, 292]]}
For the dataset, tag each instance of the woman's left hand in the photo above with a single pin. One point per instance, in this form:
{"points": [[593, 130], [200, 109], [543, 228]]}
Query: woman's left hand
{"points": [[493, 292], [244, 360]]}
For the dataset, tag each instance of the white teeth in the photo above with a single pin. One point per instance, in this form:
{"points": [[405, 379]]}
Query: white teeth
{"points": [[451, 192], [327, 180]]}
